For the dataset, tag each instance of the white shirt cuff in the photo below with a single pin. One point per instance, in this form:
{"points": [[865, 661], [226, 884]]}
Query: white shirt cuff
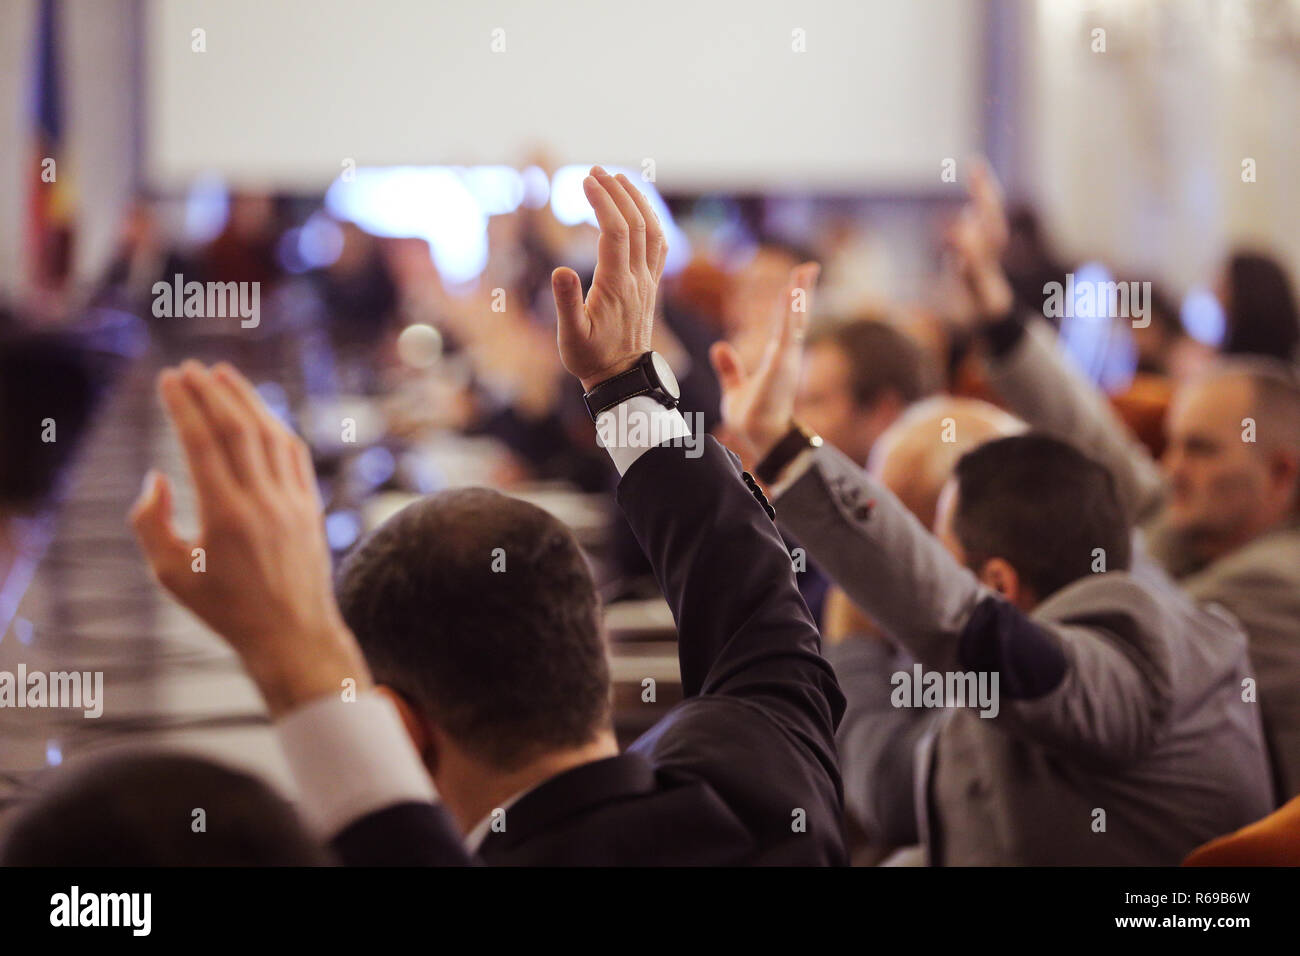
{"points": [[630, 428], [350, 759]]}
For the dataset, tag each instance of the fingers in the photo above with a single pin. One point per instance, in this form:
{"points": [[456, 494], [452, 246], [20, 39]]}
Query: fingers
{"points": [[151, 517], [798, 302], [656, 245], [210, 468], [235, 426], [792, 320], [634, 222], [986, 197], [275, 437], [613, 246], [728, 366]]}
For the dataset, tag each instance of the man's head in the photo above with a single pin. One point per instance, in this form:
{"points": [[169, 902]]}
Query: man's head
{"points": [[139, 809], [857, 379], [480, 613], [1030, 514], [1233, 457], [915, 456]]}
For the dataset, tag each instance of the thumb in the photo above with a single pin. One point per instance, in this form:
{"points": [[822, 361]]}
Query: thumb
{"points": [[151, 518], [567, 289], [727, 364]]}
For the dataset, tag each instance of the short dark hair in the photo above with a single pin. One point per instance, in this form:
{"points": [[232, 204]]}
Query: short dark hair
{"points": [[881, 359], [1041, 505], [481, 610], [139, 810]]}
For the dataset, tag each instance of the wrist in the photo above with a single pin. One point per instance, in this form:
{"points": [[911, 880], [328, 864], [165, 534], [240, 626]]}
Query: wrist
{"points": [[314, 671], [610, 371]]}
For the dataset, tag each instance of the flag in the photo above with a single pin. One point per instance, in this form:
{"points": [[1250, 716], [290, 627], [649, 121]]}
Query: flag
{"points": [[51, 199]]}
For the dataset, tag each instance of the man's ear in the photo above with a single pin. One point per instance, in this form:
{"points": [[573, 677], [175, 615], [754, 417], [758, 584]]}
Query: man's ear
{"points": [[415, 726], [1284, 468], [998, 574]]}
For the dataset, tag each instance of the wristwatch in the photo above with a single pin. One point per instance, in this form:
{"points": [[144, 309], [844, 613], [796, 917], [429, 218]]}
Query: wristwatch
{"points": [[650, 376], [796, 441]]}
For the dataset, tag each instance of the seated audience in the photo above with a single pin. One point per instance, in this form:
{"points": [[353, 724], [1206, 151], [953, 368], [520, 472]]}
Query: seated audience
{"points": [[1115, 732], [1223, 516], [499, 676], [857, 379], [877, 741]]}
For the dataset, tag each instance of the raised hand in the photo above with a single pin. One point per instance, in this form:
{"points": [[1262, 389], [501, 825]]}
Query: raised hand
{"points": [[978, 239], [258, 573], [758, 409], [607, 334]]}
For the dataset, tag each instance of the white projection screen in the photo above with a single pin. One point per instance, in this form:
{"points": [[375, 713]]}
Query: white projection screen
{"points": [[742, 94]]}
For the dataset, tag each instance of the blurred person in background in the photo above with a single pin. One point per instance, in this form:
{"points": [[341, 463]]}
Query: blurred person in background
{"points": [[1260, 307], [143, 256], [857, 378], [358, 291], [877, 741], [1220, 508], [1166, 356], [1094, 667]]}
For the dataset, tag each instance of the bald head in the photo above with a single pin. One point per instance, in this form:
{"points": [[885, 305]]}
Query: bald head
{"points": [[916, 456]]}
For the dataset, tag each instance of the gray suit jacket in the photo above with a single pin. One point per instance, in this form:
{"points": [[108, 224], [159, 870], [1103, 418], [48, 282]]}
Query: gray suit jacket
{"points": [[1259, 583], [1119, 735]]}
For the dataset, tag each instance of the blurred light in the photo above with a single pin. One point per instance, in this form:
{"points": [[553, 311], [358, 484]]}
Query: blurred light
{"points": [[537, 187], [496, 189], [24, 630], [342, 528], [431, 202], [419, 346], [287, 254], [1099, 343], [53, 753], [320, 241], [207, 207], [376, 465], [1203, 317], [422, 472], [569, 205]]}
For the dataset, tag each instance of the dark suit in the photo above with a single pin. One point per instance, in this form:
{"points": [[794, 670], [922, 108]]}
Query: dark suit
{"points": [[744, 769]]}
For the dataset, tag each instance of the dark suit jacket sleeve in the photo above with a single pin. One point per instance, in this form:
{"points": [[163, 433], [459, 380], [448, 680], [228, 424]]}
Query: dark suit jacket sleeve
{"points": [[743, 628], [405, 834]]}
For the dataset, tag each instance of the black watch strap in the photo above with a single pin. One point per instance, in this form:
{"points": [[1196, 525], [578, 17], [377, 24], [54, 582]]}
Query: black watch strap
{"points": [[638, 380], [797, 440]]}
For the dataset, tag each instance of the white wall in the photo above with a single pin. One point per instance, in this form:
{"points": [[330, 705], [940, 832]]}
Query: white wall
{"points": [[1135, 153], [711, 91]]}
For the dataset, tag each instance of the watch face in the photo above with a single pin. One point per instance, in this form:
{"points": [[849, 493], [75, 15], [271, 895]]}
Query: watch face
{"points": [[666, 377]]}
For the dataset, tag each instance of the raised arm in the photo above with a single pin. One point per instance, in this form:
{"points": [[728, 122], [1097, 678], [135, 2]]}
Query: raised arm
{"points": [[258, 574], [1086, 686], [1028, 369], [743, 629]]}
